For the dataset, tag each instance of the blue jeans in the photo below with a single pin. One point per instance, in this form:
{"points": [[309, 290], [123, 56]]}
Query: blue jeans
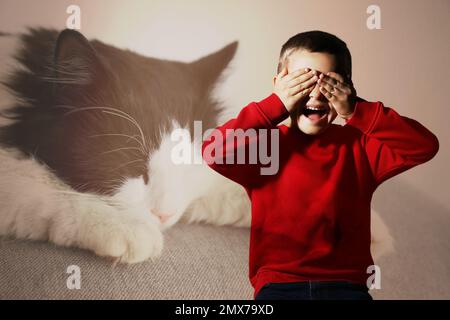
{"points": [[314, 290]]}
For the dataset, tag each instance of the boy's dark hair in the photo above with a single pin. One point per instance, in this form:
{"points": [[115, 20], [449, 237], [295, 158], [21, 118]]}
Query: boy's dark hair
{"points": [[319, 41]]}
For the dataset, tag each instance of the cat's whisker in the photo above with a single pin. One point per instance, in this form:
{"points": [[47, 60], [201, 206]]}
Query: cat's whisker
{"points": [[124, 148], [135, 123], [124, 135], [87, 196], [116, 112], [144, 146], [62, 80], [133, 120], [124, 115], [127, 163]]}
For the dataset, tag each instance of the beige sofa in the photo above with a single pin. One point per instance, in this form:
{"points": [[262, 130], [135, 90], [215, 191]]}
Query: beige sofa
{"points": [[206, 262]]}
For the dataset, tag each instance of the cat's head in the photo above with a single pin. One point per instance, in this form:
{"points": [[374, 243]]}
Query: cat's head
{"points": [[91, 71], [94, 113]]}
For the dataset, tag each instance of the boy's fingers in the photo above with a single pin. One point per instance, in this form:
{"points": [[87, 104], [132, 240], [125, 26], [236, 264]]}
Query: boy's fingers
{"points": [[338, 85], [329, 85], [340, 82], [311, 82], [330, 96], [303, 93], [296, 73], [328, 79], [335, 76], [332, 89], [302, 78], [302, 87]]}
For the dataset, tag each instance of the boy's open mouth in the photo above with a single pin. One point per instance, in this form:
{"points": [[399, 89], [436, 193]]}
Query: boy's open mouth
{"points": [[314, 114]]}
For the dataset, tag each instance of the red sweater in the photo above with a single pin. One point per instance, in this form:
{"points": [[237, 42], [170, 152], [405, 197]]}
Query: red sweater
{"points": [[311, 220]]}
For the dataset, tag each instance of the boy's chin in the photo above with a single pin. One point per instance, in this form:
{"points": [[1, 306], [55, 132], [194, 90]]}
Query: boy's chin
{"points": [[310, 127]]}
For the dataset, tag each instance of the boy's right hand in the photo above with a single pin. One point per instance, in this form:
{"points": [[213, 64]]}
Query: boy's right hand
{"points": [[294, 87]]}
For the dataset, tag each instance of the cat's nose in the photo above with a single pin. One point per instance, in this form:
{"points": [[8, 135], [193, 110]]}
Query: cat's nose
{"points": [[163, 217]]}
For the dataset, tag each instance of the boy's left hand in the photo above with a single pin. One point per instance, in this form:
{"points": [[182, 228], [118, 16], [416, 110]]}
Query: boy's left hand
{"points": [[341, 95]]}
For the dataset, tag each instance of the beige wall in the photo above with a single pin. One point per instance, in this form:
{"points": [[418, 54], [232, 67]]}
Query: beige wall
{"points": [[405, 64]]}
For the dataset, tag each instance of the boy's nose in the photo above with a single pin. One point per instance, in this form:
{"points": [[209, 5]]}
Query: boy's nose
{"points": [[316, 94]]}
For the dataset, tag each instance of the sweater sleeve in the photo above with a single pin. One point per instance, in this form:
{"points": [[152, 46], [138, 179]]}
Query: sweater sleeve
{"points": [[393, 143], [220, 147]]}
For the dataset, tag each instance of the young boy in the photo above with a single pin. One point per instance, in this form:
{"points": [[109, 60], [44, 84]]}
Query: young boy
{"points": [[310, 233]]}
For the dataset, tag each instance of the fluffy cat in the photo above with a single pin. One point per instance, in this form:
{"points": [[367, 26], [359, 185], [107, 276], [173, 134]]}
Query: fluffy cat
{"points": [[86, 154]]}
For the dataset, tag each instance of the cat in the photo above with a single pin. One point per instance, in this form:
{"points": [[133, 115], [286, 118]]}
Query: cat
{"points": [[86, 154]]}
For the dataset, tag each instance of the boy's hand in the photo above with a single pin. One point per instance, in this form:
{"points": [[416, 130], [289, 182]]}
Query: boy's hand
{"points": [[341, 95], [295, 86]]}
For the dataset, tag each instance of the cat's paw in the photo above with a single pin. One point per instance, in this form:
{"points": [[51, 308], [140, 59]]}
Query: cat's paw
{"points": [[125, 239], [133, 243]]}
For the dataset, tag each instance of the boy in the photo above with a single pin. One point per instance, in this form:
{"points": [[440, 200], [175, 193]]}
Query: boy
{"points": [[310, 233]]}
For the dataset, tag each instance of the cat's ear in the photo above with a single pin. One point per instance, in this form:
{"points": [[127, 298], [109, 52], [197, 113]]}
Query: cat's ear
{"points": [[209, 68], [76, 61]]}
